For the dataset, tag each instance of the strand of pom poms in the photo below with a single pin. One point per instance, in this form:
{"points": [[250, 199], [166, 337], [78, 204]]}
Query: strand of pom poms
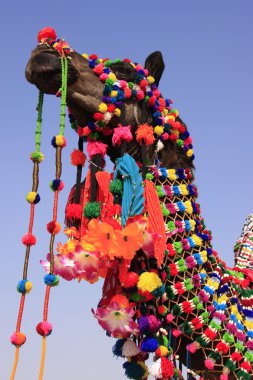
{"points": [[44, 328], [24, 286]]}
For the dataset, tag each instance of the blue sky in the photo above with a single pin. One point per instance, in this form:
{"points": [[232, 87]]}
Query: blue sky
{"points": [[207, 49]]}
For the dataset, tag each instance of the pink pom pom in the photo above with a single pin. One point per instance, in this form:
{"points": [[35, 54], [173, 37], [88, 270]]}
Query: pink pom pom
{"points": [[123, 84], [140, 95], [103, 77], [122, 134], [18, 338], [176, 333], [74, 211], [209, 364], [191, 348], [169, 318], [44, 328], [94, 148], [223, 377], [29, 239]]}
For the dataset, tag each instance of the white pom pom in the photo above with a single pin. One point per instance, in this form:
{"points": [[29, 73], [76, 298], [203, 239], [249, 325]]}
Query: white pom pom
{"points": [[107, 117], [155, 369], [130, 349], [159, 145]]}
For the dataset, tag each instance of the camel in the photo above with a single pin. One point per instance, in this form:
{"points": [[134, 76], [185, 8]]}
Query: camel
{"points": [[180, 301]]}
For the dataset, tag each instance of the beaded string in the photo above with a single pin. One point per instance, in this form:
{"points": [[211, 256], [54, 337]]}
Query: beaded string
{"points": [[24, 286], [44, 328]]}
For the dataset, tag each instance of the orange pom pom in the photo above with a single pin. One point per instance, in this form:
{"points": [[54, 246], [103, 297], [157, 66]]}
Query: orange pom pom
{"points": [[53, 227], [77, 157], [145, 133], [121, 300]]}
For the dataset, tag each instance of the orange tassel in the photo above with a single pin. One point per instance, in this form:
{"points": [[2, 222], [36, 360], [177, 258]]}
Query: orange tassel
{"points": [[104, 194], [156, 221]]}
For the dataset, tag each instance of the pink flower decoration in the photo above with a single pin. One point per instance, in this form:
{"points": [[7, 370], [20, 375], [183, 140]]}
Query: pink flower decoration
{"points": [[95, 147], [118, 322], [87, 265], [122, 133]]}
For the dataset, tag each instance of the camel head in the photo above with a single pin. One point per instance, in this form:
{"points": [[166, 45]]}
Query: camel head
{"points": [[137, 100]]}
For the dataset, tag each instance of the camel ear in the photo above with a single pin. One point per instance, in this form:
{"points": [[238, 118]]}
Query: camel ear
{"points": [[155, 65]]}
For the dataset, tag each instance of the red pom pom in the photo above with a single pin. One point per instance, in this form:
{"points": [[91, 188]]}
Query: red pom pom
{"points": [[47, 32], [53, 227], [18, 338], [98, 116], [131, 280], [29, 239], [74, 211], [77, 157], [167, 368], [44, 328]]}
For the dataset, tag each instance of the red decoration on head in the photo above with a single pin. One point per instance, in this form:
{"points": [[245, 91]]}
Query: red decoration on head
{"points": [[46, 32]]}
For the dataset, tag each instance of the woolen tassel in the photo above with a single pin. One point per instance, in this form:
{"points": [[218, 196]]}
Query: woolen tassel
{"points": [[74, 211], [105, 197], [156, 221]]}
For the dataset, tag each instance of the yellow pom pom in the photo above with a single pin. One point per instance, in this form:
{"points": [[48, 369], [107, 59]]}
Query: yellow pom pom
{"points": [[117, 112], [171, 174], [158, 130], [114, 94], [189, 153], [151, 79], [102, 108], [149, 281], [85, 55], [165, 112], [28, 286], [59, 140], [171, 117], [163, 351], [113, 77], [31, 196]]}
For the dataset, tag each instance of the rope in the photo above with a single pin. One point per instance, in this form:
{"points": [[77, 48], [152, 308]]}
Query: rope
{"points": [[43, 357], [44, 328], [18, 338], [15, 364]]}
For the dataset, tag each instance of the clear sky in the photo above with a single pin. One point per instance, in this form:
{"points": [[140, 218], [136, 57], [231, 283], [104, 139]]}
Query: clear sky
{"points": [[207, 49]]}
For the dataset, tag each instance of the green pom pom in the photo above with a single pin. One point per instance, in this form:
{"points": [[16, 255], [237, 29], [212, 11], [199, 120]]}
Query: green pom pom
{"points": [[215, 355], [92, 210], [176, 310], [171, 225], [37, 157], [131, 85], [165, 211], [230, 364], [94, 135], [150, 176], [109, 81], [160, 192], [180, 143], [108, 63], [116, 187]]}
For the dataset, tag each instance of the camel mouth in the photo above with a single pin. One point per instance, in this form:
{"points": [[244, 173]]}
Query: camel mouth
{"points": [[44, 71]]}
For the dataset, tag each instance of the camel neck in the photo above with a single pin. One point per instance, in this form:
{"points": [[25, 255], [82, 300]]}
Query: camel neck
{"points": [[187, 236]]}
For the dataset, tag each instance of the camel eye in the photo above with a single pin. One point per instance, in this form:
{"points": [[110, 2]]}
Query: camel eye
{"points": [[123, 70]]}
